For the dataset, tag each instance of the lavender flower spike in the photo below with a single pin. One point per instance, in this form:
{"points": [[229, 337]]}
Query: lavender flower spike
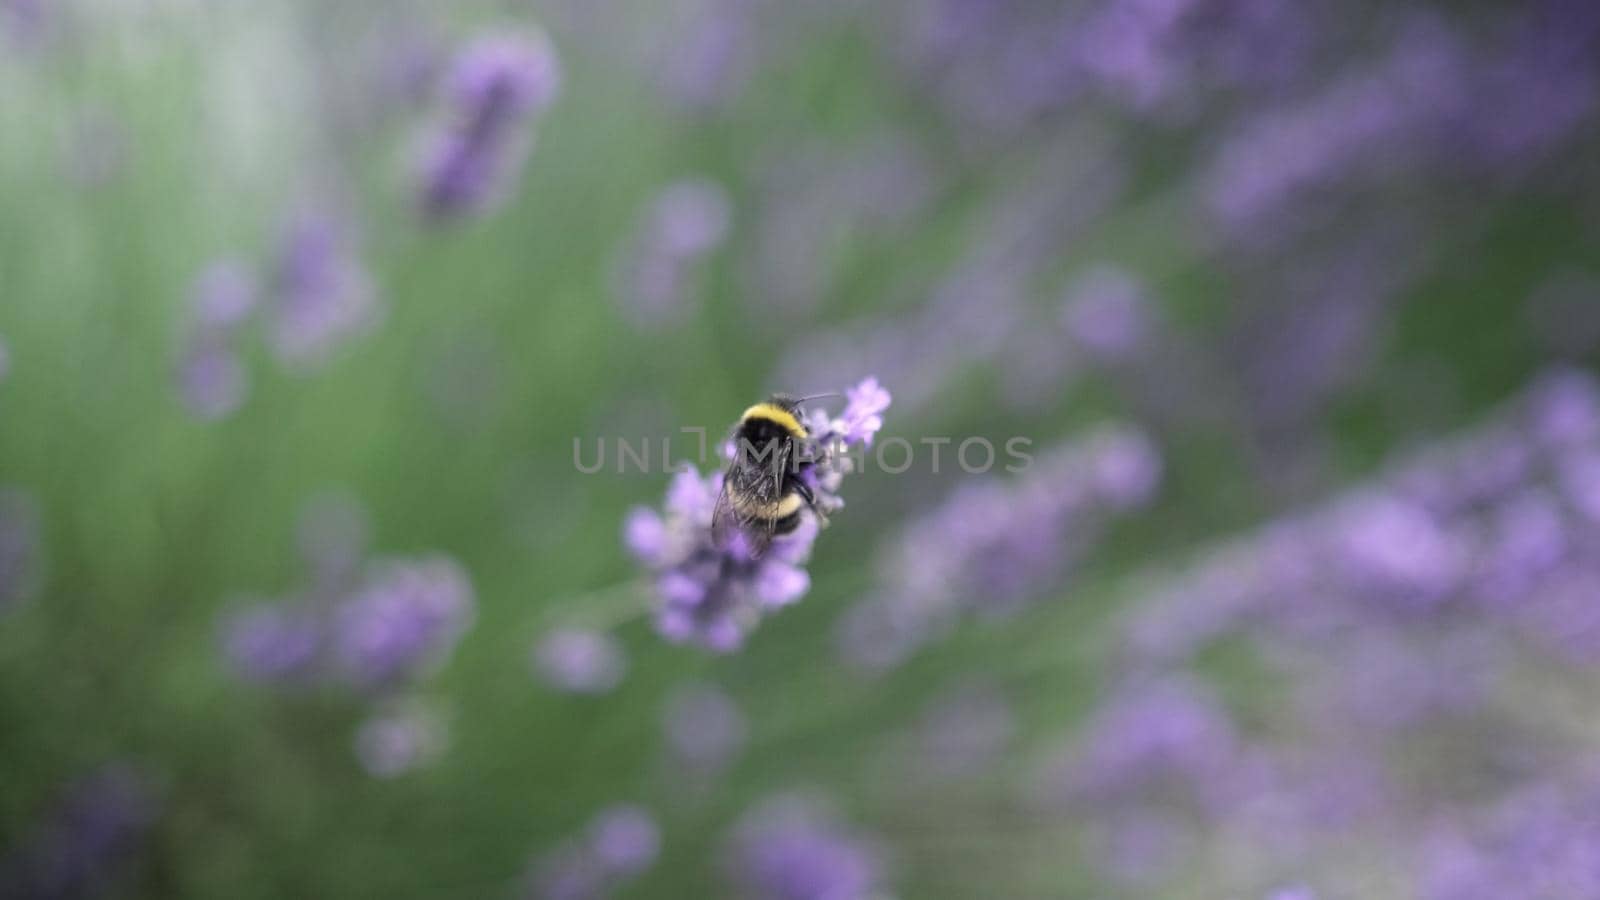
{"points": [[212, 379], [495, 87], [714, 594], [793, 849], [620, 844], [408, 615], [324, 295], [78, 848], [580, 661], [863, 415]]}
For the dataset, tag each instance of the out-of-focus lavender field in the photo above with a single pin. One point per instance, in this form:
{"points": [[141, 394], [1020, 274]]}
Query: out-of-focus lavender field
{"points": [[1280, 318]]}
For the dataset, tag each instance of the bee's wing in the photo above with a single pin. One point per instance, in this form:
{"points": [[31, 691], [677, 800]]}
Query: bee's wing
{"points": [[725, 517], [727, 520]]}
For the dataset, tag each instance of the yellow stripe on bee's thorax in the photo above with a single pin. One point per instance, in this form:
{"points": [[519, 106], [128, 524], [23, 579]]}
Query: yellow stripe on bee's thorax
{"points": [[775, 413], [786, 505]]}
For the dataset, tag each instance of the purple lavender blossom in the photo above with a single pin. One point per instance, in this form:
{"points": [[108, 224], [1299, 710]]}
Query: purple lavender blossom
{"points": [[706, 62], [223, 297], [790, 848], [23, 22], [1448, 597], [687, 221], [1293, 893], [1000, 66], [625, 839], [705, 730], [992, 547], [1138, 848], [1107, 314], [713, 594], [323, 295], [1433, 101], [212, 379], [580, 661], [401, 739], [1535, 842], [620, 843], [269, 642], [406, 616], [19, 547], [1147, 733], [76, 849], [494, 90], [863, 413]]}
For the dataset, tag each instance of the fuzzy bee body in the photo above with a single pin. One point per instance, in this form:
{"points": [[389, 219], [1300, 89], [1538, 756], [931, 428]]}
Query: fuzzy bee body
{"points": [[764, 492]]}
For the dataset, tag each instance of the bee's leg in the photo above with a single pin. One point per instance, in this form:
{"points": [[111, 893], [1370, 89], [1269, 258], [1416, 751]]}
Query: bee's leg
{"points": [[805, 493]]}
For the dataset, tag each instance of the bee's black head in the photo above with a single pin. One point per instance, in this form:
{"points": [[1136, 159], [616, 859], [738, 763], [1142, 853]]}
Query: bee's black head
{"points": [[786, 402]]}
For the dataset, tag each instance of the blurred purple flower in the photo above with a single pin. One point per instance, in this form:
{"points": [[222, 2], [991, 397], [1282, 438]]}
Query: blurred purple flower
{"points": [[625, 839], [1450, 596], [1148, 733], [706, 61], [580, 661], [495, 88], [212, 380], [1107, 314], [323, 296], [714, 594], [1384, 680], [400, 739], [1139, 847], [992, 547], [1002, 65], [1564, 410], [269, 642], [621, 842], [223, 298], [19, 547], [704, 728], [77, 847], [685, 222], [1434, 102], [790, 848], [1536, 842], [406, 616], [23, 21]]}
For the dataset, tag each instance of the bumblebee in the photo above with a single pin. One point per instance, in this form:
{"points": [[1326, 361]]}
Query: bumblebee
{"points": [[764, 489]]}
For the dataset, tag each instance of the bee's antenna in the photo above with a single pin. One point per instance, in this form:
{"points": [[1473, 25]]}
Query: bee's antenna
{"points": [[811, 397]]}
